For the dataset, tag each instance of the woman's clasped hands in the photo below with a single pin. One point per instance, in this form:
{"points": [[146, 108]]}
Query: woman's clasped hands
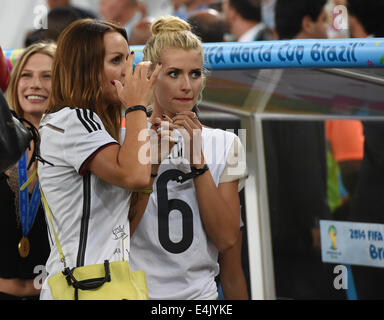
{"points": [[189, 126]]}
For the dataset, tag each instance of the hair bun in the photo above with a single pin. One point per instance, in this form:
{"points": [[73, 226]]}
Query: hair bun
{"points": [[169, 24]]}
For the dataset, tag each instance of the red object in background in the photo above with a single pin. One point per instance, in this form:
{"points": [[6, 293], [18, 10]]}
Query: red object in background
{"points": [[4, 72], [346, 138]]}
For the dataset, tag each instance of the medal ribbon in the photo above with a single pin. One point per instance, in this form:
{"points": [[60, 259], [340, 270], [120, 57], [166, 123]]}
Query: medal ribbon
{"points": [[28, 209]]}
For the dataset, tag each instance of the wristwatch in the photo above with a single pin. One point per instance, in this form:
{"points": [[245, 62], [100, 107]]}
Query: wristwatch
{"points": [[195, 172], [198, 171]]}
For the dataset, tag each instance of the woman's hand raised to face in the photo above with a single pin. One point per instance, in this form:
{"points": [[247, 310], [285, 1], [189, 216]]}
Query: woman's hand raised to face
{"points": [[137, 87]]}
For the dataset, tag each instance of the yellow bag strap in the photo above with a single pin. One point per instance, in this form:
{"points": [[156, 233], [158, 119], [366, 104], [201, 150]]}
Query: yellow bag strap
{"points": [[48, 212], [33, 175]]}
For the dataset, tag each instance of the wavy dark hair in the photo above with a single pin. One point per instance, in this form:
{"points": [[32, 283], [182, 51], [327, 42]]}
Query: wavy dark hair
{"points": [[78, 71]]}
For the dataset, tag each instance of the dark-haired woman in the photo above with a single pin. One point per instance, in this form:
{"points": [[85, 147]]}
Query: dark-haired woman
{"points": [[88, 174]]}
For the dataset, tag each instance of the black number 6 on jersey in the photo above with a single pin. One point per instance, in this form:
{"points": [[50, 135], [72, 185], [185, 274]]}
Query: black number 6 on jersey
{"points": [[165, 207]]}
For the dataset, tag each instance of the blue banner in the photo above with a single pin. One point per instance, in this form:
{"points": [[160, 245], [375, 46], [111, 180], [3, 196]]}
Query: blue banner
{"points": [[307, 53], [335, 53]]}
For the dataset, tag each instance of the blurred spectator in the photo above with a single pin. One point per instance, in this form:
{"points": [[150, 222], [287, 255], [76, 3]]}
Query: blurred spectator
{"points": [[244, 20], [141, 32], [123, 12], [83, 13], [365, 18], [298, 19], [177, 4], [33, 37], [346, 142], [185, 8], [158, 8], [217, 5], [209, 25], [4, 72], [61, 15], [58, 19]]}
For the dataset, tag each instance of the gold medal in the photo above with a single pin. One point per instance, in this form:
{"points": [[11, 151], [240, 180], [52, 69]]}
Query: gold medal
{"points": [[24, 247]]}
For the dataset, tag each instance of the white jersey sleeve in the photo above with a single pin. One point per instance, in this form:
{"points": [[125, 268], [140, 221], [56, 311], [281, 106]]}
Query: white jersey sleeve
{"points": [[235, 167], [83, 138]]}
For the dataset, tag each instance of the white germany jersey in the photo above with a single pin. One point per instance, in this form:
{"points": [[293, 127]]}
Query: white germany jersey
{"points": [[170, 243], [90, 216]]}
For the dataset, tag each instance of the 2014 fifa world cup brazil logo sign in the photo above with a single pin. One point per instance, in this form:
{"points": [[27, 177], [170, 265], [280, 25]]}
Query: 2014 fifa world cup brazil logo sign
{"points": [[332, 232]]}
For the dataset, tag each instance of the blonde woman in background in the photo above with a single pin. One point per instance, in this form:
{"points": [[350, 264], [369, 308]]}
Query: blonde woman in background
{"points": [[23, 240]]}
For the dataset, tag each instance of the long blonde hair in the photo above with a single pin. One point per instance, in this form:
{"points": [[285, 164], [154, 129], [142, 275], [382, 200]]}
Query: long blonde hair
{"points": [[47, 48]]}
